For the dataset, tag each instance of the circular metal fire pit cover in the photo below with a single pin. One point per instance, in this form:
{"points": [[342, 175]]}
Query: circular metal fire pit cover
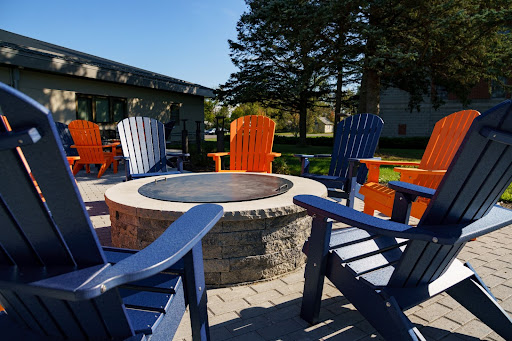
{"points": [[215, 187]]}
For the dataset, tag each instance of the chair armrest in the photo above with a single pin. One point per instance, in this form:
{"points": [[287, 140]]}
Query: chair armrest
{"points": [[412, 189], [177, 240], [304, 155], [372, 161], [373, 167], [90, 147], [365, 159], [173, 154], [354, 165], [109, 145], [497, 218], [309, 156], [274, 154], [146, 175], [218, 154], [216, 158], [410, 174]]}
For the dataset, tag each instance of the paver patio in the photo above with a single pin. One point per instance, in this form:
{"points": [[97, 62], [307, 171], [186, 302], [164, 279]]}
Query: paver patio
{"points": [[270, 310]]}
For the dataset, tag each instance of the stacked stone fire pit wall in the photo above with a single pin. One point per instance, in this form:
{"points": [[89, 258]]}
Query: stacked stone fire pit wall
{"points": [[253, 241]]}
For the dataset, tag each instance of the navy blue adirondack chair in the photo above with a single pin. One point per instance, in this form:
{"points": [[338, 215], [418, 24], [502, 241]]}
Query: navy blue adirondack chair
{"points": [[143, 141], [385, 267], [56, 281], [356, 138]]}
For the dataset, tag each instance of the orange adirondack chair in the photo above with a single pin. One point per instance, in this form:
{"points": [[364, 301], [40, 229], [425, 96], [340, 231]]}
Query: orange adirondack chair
{"points": [[443, 144], [250, 145], [86, 136]]}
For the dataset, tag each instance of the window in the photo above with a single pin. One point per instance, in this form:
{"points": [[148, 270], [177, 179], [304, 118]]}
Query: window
{"points": [[100, 109], [175, 112]]}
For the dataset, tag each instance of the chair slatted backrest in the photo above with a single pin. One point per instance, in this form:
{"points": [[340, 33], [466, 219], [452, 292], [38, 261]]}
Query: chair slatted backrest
{"points": [[480, 173], [356, 137], [66, 139], [143, 141], [87, 139], [51, 236], [251, 140], [444, 142]]}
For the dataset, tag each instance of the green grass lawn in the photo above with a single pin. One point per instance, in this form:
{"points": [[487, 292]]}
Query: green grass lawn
{"points": [[289, 164]]}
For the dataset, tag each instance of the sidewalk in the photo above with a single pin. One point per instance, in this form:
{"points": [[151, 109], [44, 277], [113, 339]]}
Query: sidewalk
{"points": [[270, 310]]}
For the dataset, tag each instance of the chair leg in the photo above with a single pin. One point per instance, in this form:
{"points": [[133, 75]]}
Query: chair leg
{"points": [[195, 293], [179, 164], [368, 209], [115, 163], [473, 295], [77, 167], [380, 310], [102, 170], [354, 189], [87, 168], [316, 266], [217, 164]]}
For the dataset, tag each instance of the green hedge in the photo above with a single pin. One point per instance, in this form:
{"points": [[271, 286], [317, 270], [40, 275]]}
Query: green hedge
{"points": [[312, 141], [404, 142], [384, 142]]}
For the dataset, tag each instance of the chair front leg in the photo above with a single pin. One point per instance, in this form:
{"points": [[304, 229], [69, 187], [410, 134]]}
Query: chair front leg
{"points": [[352, 185], [304, 165], [217, 163], [318, 251], [195, 291], [270, 158]]}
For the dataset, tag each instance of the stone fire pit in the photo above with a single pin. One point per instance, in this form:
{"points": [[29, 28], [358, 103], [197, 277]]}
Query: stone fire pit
{"points": [[254, 240]]}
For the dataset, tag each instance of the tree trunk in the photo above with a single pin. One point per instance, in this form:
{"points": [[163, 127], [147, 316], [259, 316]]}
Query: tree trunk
{"points": [[337, 104], [303, 111], [369, 95]]}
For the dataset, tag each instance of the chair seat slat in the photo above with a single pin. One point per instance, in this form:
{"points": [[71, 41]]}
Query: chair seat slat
{"points": [[143, 321], [346, 236], [367, 248], [145, 300], [164, 283], [375, 262], [378, 278]]}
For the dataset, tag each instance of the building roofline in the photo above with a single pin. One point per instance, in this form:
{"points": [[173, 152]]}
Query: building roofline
{"points": [[18, 50]]}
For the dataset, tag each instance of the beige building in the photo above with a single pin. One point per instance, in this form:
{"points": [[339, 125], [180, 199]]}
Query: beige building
{"points": [[323, 125], [76, 85]]}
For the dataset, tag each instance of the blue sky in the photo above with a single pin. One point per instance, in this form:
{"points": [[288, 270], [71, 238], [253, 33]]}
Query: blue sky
{"points": [[185, 39]]}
